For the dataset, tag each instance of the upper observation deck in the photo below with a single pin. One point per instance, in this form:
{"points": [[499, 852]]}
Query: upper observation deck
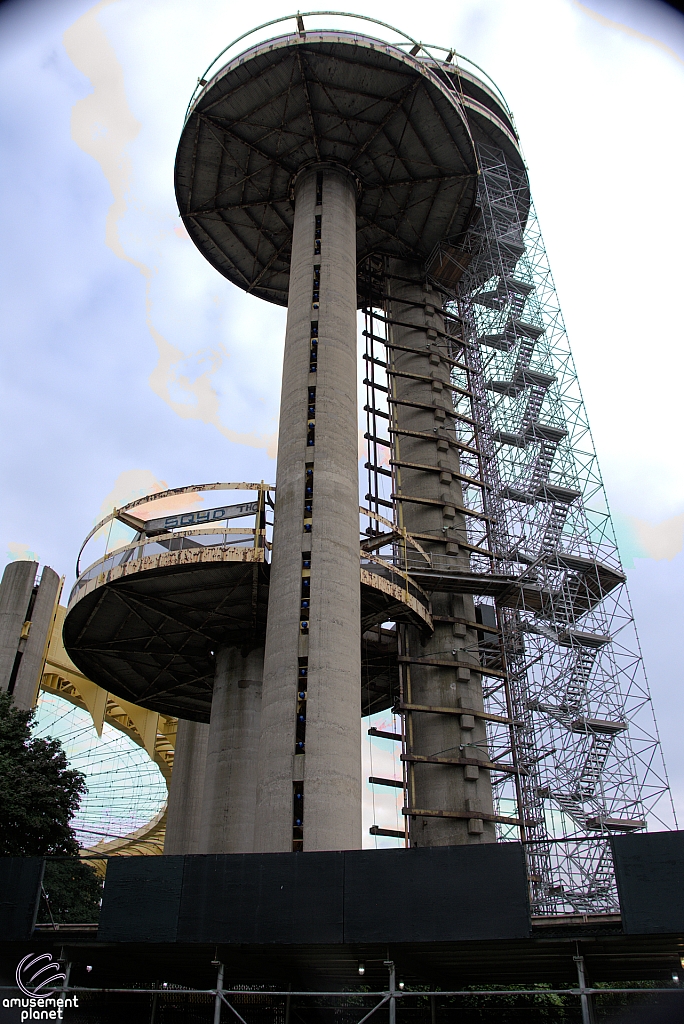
{"points": [[405, 124]]}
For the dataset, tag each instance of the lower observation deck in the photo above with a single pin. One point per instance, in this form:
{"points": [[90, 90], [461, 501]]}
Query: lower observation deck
{"points": [[145, 620]]}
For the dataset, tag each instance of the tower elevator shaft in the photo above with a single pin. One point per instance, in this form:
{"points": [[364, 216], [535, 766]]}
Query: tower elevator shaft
{"points": [[440, 671]]}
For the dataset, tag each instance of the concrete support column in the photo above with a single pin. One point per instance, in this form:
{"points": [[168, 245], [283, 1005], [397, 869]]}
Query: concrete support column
{"points": [[27, 615], [42, 618], [187, 786], [309, 790], [16, 590], [229, 798], [440, 528]]}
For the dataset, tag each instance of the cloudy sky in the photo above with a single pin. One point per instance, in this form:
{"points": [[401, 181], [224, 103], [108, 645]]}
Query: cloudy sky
{"points": [[129, 363]]}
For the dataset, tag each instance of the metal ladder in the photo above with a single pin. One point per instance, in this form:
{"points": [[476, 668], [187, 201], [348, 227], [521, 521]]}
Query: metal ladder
{"points": [[533, 408], [572, 806], [577, 685], [542, 465], [524, 358], [554, 528], [595, 763]]}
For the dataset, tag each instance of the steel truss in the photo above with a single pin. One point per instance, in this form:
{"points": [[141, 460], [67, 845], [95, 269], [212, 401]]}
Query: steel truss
{"points": [[560, 639]]}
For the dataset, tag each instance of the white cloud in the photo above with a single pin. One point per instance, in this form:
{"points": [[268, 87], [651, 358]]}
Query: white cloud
{"points": [[103, 125], [17, 552], [662, 540]]}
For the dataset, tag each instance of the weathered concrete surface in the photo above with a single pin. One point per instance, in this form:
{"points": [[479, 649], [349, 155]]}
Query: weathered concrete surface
{"points": [[15, 596], [35, 650], [23, 651], [186, 789], [433, 786], [229, 797], [331, 773]]}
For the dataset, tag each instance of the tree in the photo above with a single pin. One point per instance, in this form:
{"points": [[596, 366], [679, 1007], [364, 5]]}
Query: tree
{"points": [[39, 795], [71, 892]]}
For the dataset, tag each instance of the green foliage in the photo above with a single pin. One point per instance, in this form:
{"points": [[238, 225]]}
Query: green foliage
{"points": [[71, 892], [39, 793], [511, 1008], [546, 1006]]}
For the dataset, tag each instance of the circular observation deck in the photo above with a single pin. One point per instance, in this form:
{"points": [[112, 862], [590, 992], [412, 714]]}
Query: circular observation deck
{"points": [[145, 619], [394, 120]]}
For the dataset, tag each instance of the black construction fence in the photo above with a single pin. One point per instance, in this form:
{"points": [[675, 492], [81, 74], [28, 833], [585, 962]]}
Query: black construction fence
{"points": [[426, 936]]}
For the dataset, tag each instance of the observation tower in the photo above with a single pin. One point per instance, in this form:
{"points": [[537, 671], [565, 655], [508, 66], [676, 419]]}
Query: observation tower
{"points": [[300, 160], [480, 594]]}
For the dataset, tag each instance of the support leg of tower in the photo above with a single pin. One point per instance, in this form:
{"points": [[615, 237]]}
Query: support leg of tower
{"points": [[229, 800], [185, 792], [42, 618], [27, 615], [16, 588]]}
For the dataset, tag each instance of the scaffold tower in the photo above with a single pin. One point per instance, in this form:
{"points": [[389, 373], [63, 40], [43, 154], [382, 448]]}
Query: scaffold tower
{"points": [[571, 736]]}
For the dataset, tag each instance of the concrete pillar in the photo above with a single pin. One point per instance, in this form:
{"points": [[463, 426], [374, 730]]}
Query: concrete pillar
{"points": [[16, 590], [42, 617], [187, 786], [309, 755], [440, 527], [27, 615], [229, 798]]}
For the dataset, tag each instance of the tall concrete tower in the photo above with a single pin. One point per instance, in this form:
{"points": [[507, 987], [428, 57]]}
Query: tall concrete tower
{"points": [[299, 159]]}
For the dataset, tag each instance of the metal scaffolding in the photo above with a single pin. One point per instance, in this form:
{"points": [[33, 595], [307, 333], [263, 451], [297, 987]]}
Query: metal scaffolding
{"points": [[567, 681]]}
